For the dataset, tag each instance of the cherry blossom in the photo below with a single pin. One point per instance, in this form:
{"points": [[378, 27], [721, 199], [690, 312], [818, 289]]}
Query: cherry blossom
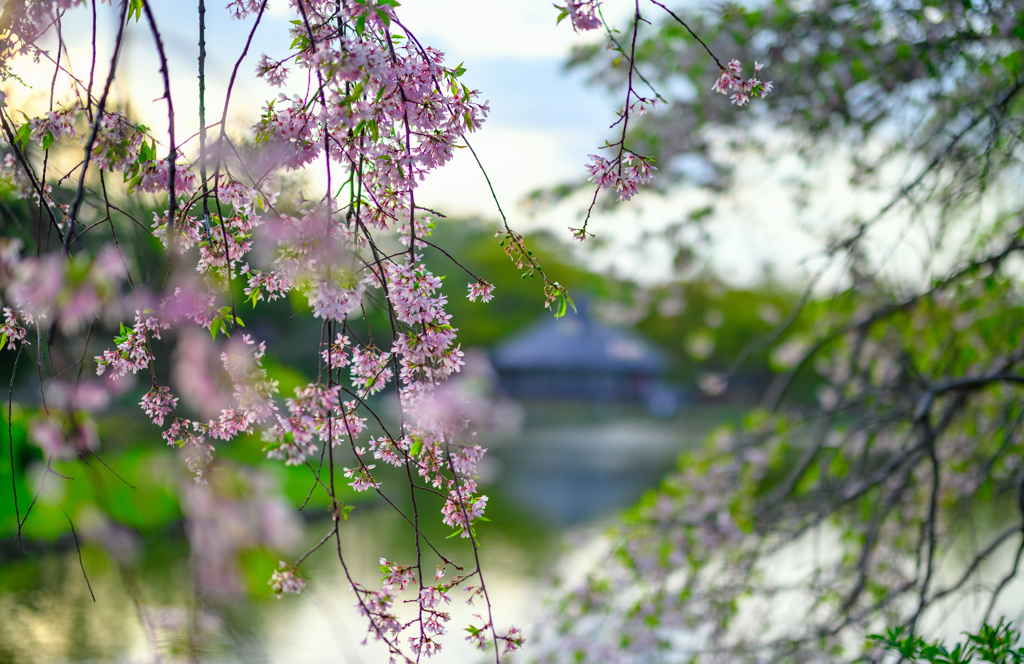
{"points": [[389, 451], [361, 478], [625, 174], [731, 81], [11, 331], [240, 9], [118, 143], [513, 639], [335, 356], [482, 290], [333, 300], [158, 404], [286, 581], [462, 507], [274, 73], [382, 112], [53, 125], [583, 13], [132, 352], [370, 370], [154, 174]]}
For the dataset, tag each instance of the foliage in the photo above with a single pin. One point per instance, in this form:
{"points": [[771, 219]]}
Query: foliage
{"points": [[862, 507], [990, 644], [919, 77]]}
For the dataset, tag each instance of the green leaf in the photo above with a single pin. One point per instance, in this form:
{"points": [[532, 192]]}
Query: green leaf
{"points": [[24, 132], [214, 328], [135, 9], [48, 140], [561, 306]]}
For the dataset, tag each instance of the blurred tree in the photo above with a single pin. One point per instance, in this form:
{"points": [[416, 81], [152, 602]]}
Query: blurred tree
{"points": [[900, 491]]}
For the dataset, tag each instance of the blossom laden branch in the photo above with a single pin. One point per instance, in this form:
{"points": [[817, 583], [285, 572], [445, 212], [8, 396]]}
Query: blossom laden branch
{"points": [[628, 171]]}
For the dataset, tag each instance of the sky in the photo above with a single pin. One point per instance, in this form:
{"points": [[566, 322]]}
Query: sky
{"points": [[543, 123]]}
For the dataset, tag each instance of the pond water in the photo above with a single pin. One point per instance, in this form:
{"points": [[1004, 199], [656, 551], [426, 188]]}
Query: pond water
{"points": [[552, 490]]}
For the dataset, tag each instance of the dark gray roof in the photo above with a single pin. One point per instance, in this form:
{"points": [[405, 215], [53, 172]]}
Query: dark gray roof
{"points": [[577, 343]]}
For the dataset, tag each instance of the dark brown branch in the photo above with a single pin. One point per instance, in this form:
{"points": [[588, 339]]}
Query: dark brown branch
{"points": [[97, 120], [172, 152]]}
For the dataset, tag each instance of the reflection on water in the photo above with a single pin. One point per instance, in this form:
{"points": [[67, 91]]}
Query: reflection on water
{"points": [[148, 613], [561, 473], [565, 475], [547, 484], [551, 489]]}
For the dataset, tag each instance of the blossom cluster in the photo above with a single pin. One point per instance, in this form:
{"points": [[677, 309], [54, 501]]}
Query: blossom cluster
{"points": [[583, 14], [463, 507], [625, 175], [53, 125], [295, 437], [743, 91], [69, 293], [481, 290], [274, 73], [286, 581], [132, 353], [118, 143], [11, 331], [335, 357], [158, 403], [377, 605]]}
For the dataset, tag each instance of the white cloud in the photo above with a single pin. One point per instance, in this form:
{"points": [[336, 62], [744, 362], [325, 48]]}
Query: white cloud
{"points": [[492, 28]]}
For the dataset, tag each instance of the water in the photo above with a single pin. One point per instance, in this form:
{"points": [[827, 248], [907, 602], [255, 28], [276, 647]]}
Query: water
{"points": [[551, 490]]}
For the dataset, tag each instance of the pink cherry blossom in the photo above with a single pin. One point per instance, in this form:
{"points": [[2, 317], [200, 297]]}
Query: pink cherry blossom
{"points": [[463, 507], [625, 175], [743, 91], [158, 404], [274, 73], [361, 478], [482, 290], [286, 581], [335, 356], [584, 14], [11, 330], [53, 125]]}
